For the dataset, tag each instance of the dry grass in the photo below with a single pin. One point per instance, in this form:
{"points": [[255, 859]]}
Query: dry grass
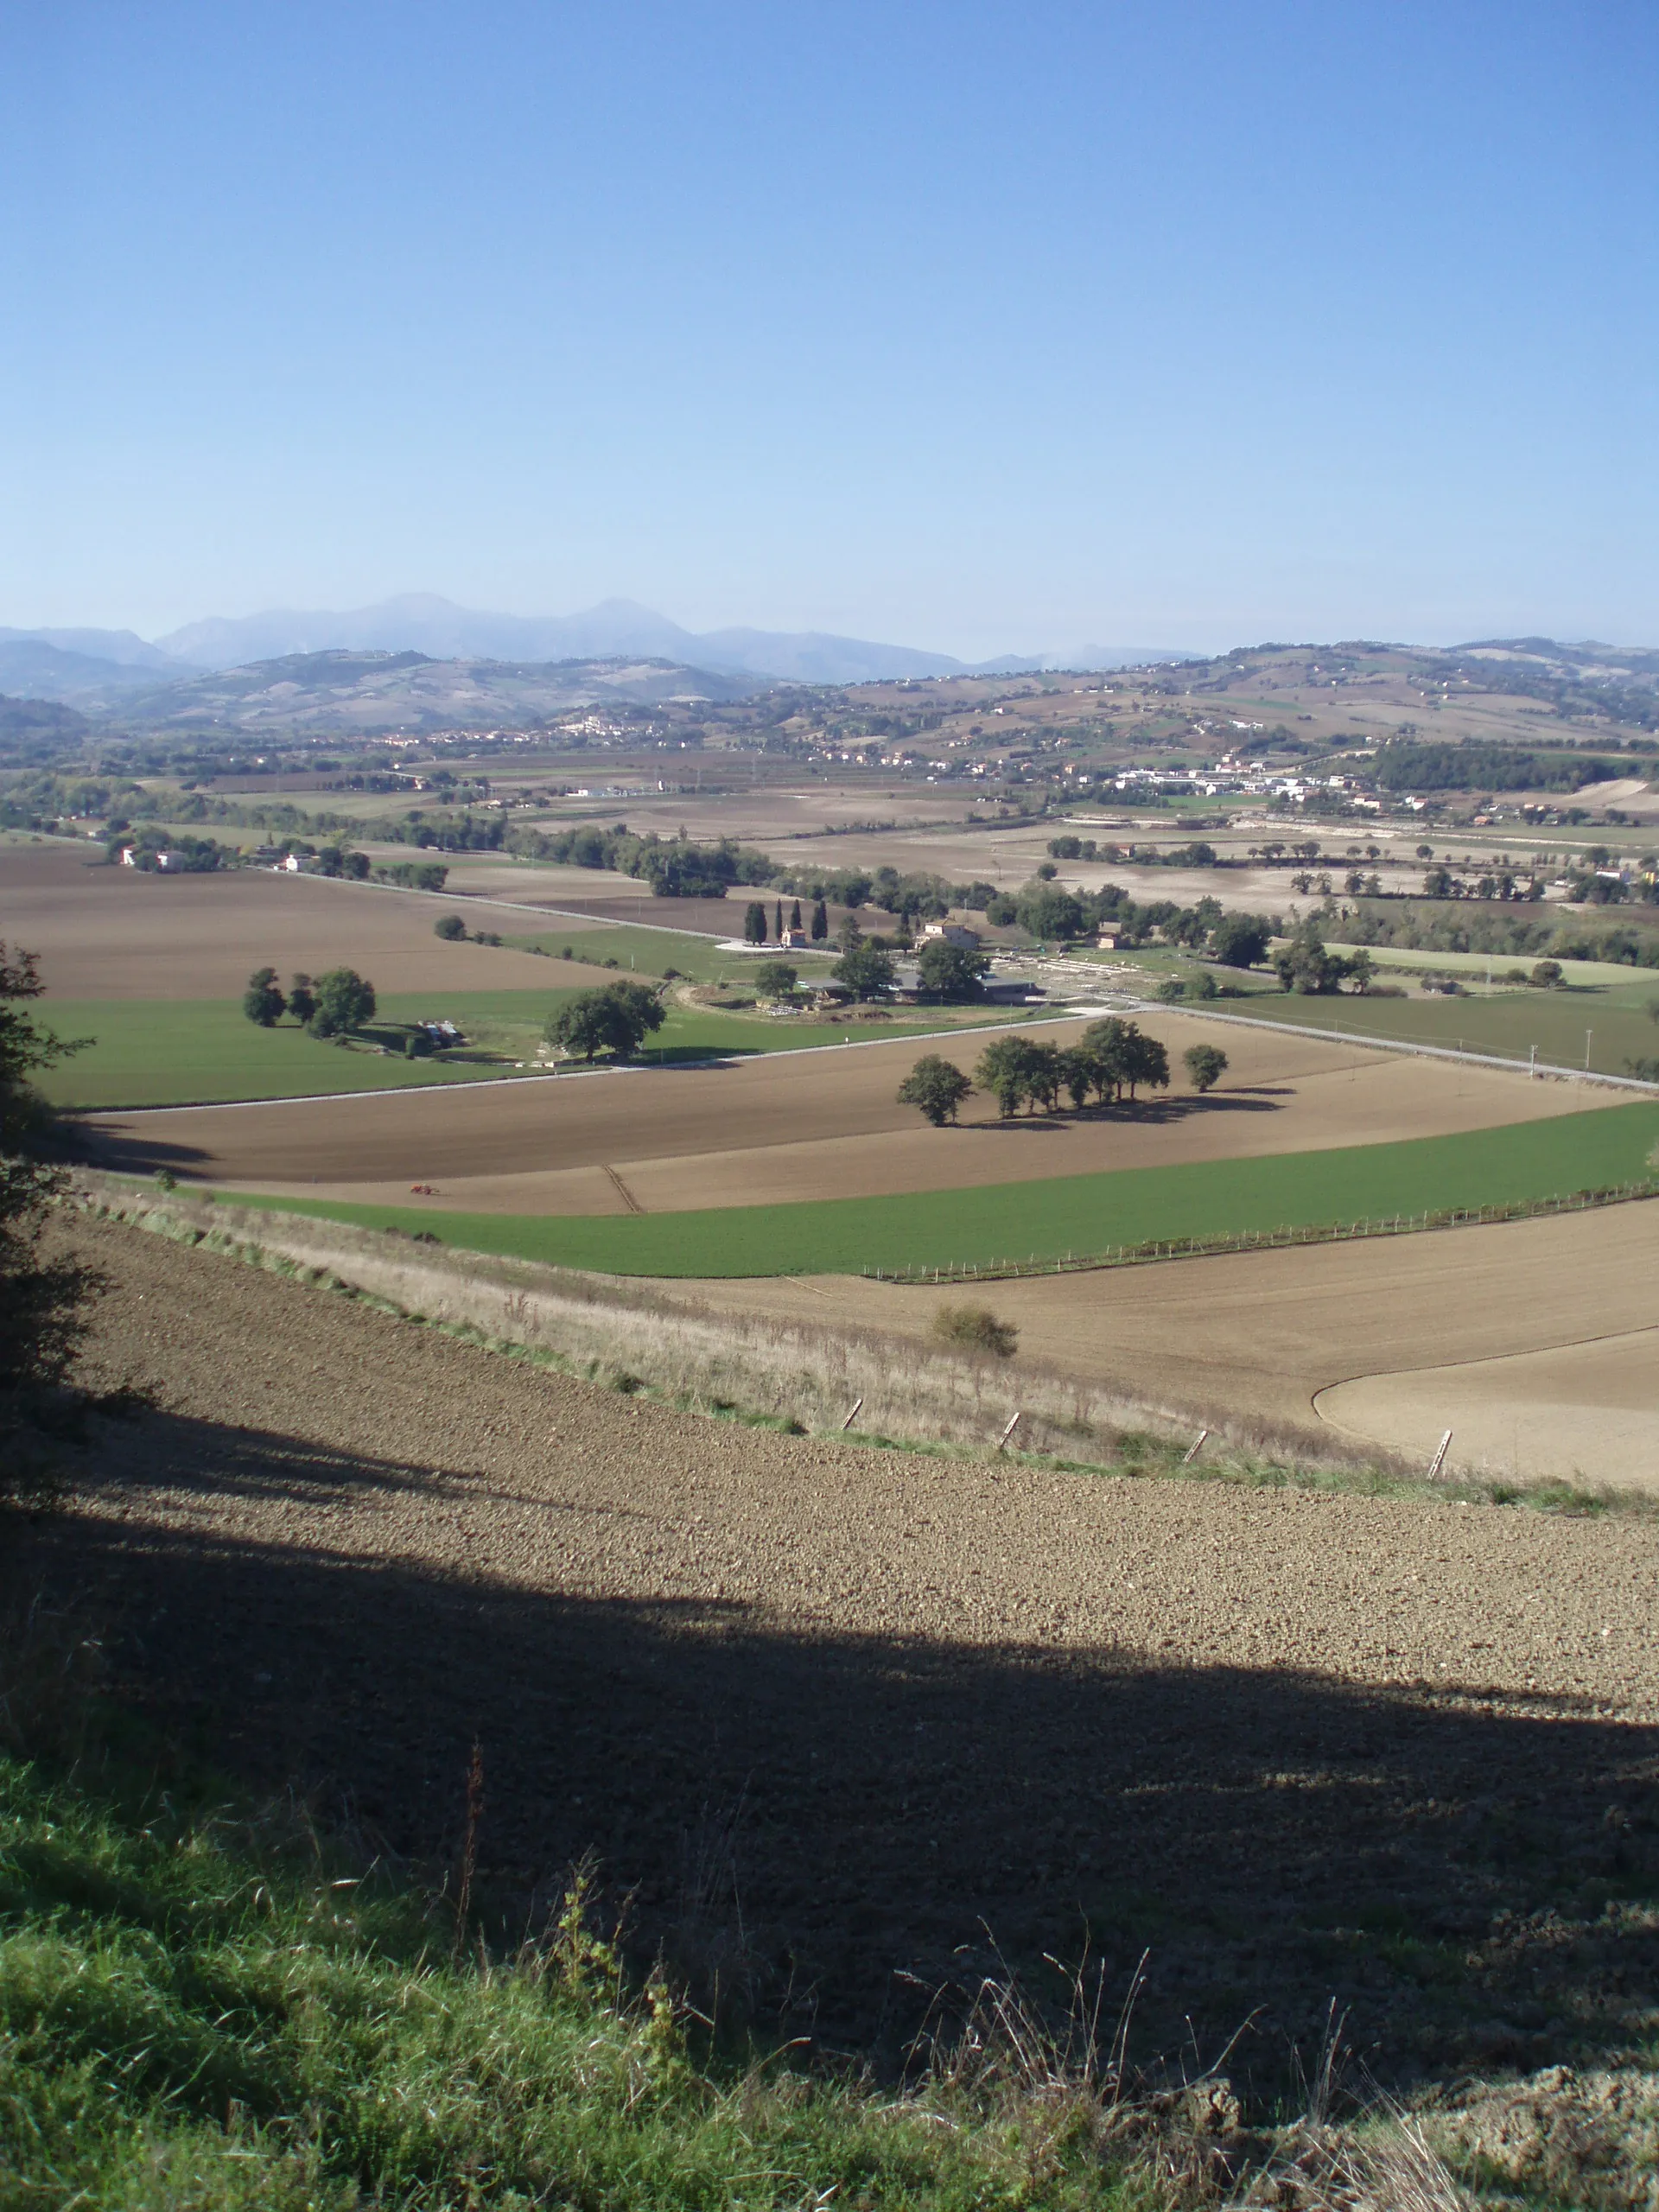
{"points": [[787, 1372]]}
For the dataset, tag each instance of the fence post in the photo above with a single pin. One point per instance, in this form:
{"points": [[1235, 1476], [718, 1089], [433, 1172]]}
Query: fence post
{"points": [[1438, 1461]]}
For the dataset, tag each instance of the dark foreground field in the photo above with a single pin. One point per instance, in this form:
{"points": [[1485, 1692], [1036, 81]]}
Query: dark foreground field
{"points": [[832, 1719]]}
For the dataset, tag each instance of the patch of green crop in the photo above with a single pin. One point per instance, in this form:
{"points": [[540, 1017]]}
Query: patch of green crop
{"points": [[1525, 1162]]}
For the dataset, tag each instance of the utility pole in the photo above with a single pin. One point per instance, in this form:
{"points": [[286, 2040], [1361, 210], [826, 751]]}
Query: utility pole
{"points": [[1588, 1034]]}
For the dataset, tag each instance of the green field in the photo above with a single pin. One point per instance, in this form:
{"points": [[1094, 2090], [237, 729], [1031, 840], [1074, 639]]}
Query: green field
{"points": [[653, 952], [1613, 1016], [205, 1051], [1073, 1213]]}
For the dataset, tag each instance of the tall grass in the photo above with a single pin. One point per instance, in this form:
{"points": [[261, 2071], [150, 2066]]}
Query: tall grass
{"points": [[780, 1368]]}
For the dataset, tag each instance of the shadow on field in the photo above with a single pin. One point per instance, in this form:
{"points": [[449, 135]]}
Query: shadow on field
{"points": [[820, 1815], [1154, 1113], [122, 1148]]}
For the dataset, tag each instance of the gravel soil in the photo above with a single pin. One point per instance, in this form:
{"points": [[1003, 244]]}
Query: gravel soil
{"points": [[830, 1716]]}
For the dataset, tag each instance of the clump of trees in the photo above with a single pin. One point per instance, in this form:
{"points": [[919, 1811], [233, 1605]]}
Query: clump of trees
{"points": [[675, 868], [615, 1019], [1112, 1058], [936, 1088], [334, 1006], [776, 979], [454, 931], [188, 856], [1308, 967], [412, 875], [975, 1328]]}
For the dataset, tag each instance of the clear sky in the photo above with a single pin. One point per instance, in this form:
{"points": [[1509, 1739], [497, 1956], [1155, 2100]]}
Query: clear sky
{"points": [[979, 327]]}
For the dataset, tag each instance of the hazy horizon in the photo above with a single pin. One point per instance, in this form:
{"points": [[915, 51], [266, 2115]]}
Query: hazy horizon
{"points": [[960, 330]]}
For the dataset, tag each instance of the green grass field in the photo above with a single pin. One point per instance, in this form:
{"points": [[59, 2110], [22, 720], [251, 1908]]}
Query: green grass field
{"points": [[187, 1051], [1614, 1015], [653, 952], [1073, 1213]]}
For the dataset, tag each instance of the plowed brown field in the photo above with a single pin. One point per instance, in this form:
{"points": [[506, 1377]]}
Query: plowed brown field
{"points": [[123, 933], [1535, 1342], [826, 1714], [817, 1124]]}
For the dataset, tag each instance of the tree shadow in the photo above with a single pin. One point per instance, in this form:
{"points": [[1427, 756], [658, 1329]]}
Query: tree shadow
{"points": [[125, 1148], [1472, 1877]]}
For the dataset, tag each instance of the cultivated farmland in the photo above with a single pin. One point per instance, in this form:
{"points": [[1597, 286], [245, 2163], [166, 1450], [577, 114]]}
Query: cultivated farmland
{"points": [[811, 1125], [121, 933]]}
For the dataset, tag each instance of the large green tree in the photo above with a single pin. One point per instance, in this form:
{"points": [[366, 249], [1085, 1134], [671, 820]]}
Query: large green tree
{"points": [[1205, 1064], [950, 972], [616, 1019], [936, 1087], [1018, 1072], [866, 971], [262, 1001], [343, 1001], [1241, 940]]}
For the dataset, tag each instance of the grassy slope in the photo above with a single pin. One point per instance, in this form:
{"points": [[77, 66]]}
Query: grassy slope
{"points": [[208, 2013], [1073, 1213], [174, 1051]]}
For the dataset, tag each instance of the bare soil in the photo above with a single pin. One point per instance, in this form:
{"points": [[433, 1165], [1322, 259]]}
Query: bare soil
{"points": [[821, 1123], [828, 1714], [127, 933], [1535, 1342]]}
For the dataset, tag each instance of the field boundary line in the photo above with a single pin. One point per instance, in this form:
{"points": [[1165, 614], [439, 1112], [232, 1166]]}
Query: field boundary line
{"points": [[951, 1273]]}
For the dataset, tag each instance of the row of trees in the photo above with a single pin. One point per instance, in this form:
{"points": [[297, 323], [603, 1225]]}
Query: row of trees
{"points": [[754, 921], [674, 868], [334, 1006], [1112, 1058]]}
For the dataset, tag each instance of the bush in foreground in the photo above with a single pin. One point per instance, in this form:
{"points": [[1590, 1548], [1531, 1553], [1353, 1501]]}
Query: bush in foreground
{"points": [[975, 1328]]}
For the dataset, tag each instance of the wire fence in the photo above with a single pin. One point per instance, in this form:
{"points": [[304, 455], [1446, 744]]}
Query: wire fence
{"points": [[1264, 1240]]}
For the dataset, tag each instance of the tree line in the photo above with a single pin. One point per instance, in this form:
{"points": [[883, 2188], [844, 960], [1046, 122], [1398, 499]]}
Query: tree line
{"points": [[1111, 1060], [334, 1005]]}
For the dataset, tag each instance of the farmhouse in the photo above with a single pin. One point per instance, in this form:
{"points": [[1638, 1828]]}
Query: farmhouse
{"points": [[955, 933]]}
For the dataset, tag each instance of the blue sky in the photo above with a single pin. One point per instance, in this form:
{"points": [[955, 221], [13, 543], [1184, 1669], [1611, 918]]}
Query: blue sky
{"points": [[978, 327]]}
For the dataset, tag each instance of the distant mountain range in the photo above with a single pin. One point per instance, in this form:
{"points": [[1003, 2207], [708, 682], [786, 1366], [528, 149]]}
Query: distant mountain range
{"points": [[107, 673], [420, 622]]}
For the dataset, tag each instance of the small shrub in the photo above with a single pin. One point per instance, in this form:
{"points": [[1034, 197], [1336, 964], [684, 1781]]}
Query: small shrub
{"points": [[975, 1328], [450, 928]]}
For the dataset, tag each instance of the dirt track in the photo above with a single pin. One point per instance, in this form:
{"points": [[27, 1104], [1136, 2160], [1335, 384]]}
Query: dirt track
{"points": [[817, 1124], [881, 1699]]}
